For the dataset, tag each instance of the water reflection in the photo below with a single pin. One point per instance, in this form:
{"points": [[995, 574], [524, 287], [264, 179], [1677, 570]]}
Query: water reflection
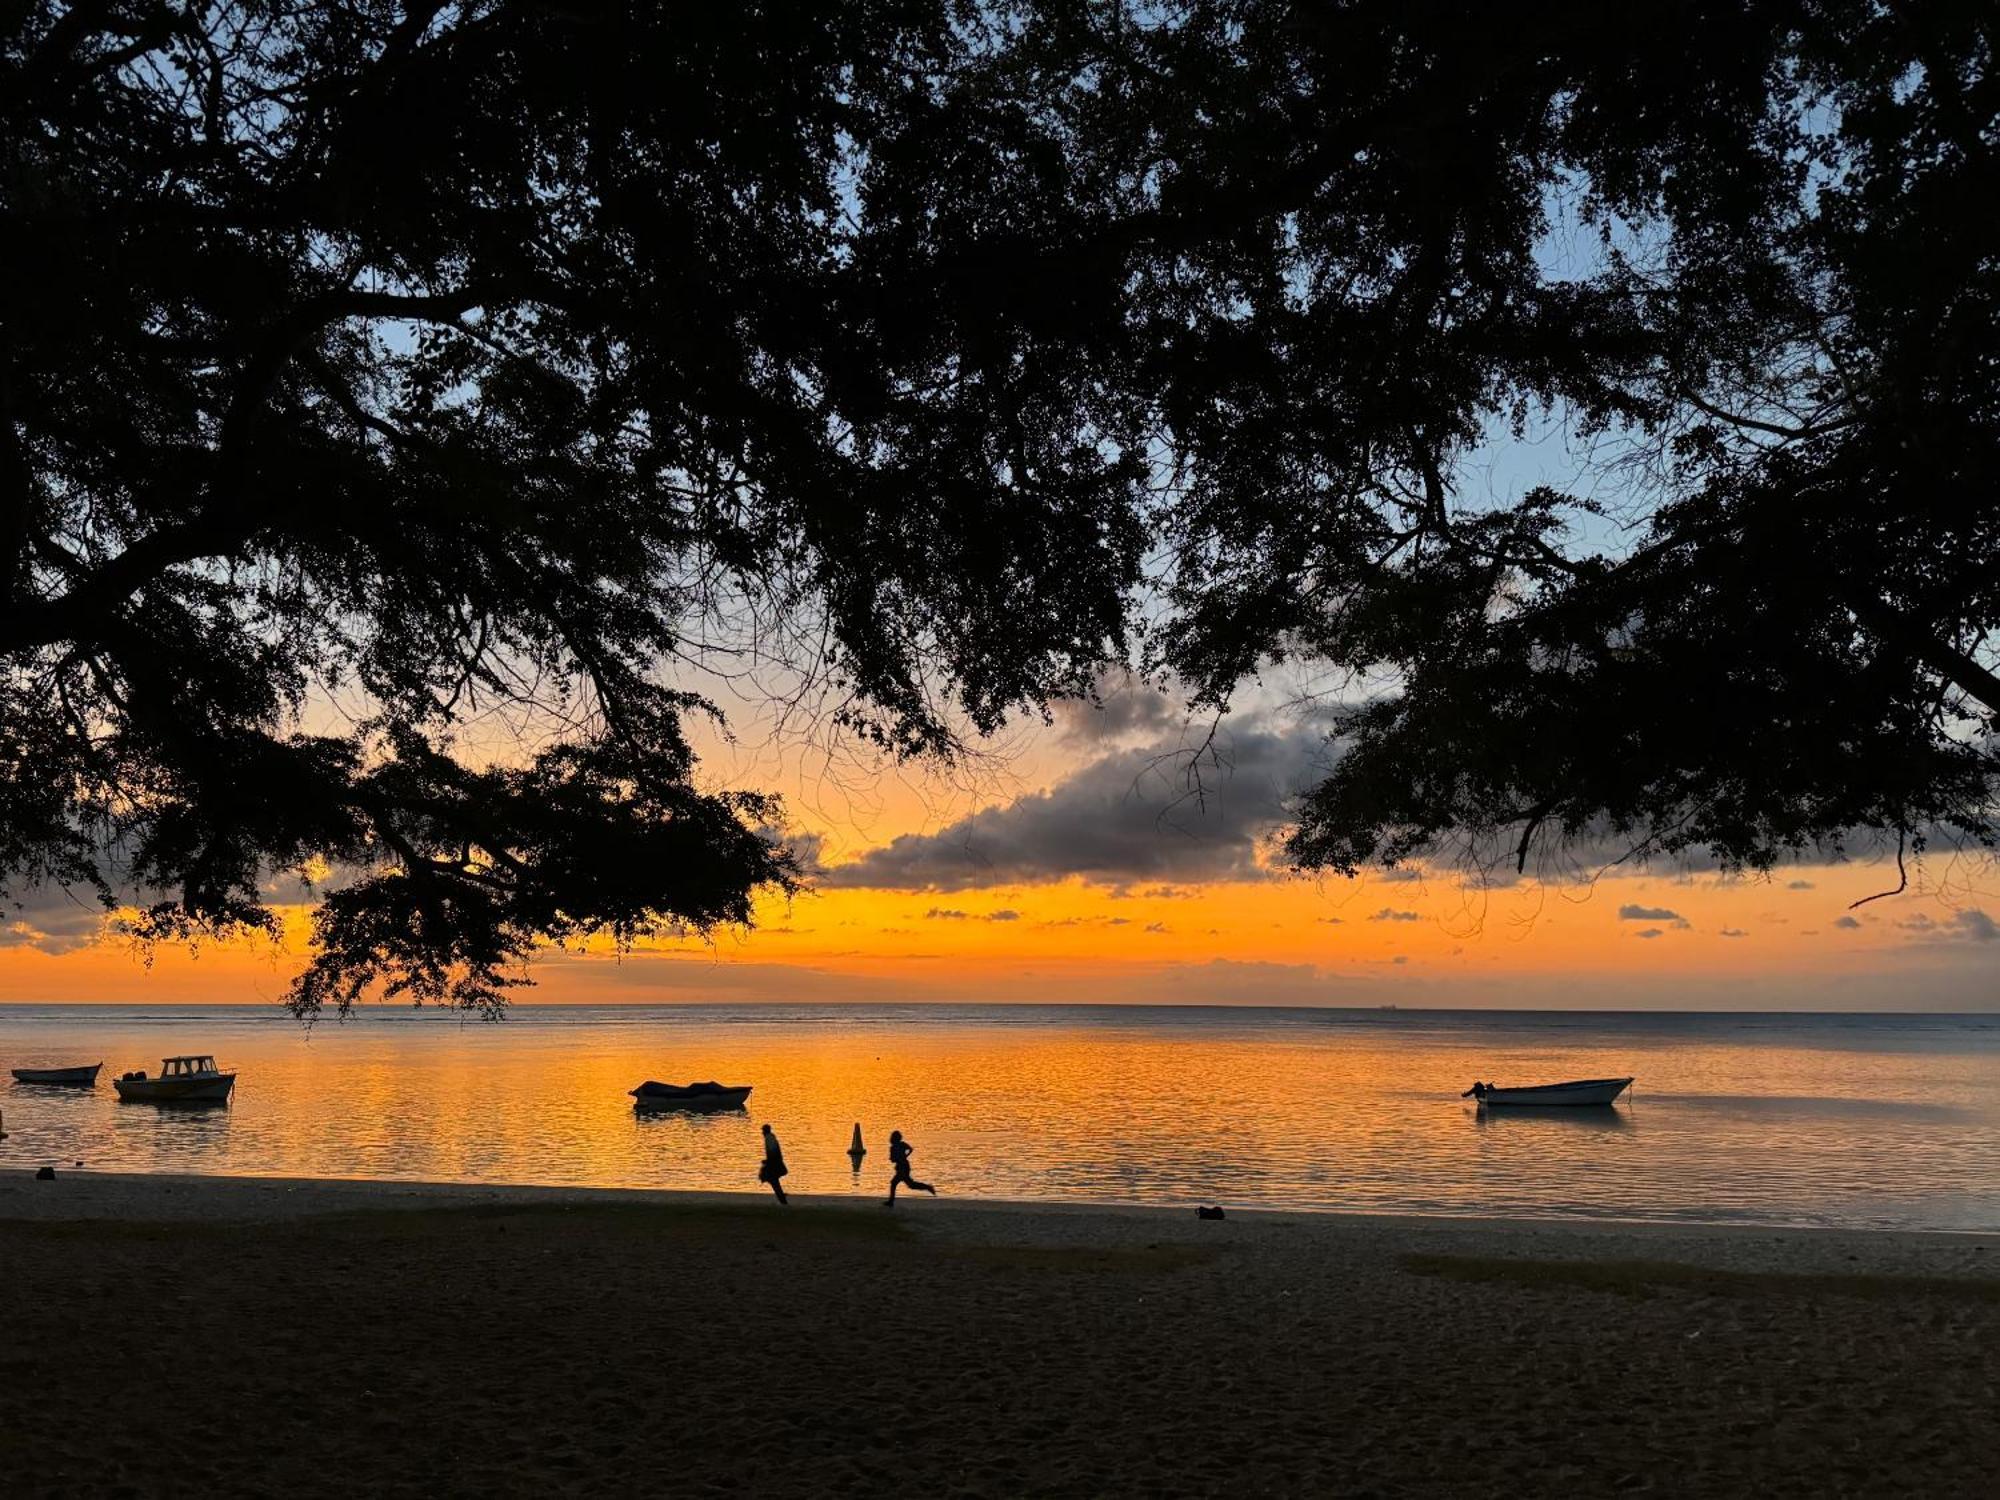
{"points": [[1042, 1104], [1561, 1117]]}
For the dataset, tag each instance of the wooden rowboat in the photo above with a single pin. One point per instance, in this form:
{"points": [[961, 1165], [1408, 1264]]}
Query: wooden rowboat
{"points": [[650, 1097], [1581, 1091], [74, 1077]]}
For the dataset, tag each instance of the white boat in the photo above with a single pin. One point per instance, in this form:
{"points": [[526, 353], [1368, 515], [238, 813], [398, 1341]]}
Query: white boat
{"points": [[79, 1077], [649, 1097], [182, 1080], [1581, 1091]]}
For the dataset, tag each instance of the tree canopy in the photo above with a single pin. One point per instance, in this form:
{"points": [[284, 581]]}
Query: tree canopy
{"points": [[373, 369]]}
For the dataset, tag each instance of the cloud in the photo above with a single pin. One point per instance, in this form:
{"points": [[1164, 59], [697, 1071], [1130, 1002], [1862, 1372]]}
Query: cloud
{"points": [[1126, 707], [1390, 914], [1157, 927], [1005, 914], [1332, 921], [1799, 885], [947, 914], [1847, 922], [1164, 814], [1976, 925], [1631, 913], [52, 920], [1734, 932], [1967, 925], [1651, 932]]}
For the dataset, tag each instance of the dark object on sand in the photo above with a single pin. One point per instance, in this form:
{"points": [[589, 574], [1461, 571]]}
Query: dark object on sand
{"points": [[1581, 1091], [1210, 1213], [657, 1096], [79, 1077], [46, 1174]]}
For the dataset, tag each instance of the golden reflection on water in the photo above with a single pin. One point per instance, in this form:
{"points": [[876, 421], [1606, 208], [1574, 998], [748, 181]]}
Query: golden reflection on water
{"points": [[1814, 1128]]}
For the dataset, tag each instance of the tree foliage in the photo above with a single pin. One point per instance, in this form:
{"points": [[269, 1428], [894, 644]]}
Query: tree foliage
{"points": [[371, 369]]}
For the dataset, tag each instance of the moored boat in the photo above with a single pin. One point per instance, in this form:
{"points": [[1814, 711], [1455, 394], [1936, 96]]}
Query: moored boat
{"points": [[1579, 1091], [649, 1096], [75, 1077], [183, 1080]]}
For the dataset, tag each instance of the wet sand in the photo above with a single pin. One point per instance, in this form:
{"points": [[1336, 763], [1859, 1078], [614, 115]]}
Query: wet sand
{"points": [[246, 1336]]}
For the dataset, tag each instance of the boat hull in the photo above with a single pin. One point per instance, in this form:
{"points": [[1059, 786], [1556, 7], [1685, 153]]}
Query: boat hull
{"points": [[213, 1089], [660, 1099], [71, 1077], [1588, 1091]]}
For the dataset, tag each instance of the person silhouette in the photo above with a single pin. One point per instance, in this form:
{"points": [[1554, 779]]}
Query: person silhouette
{"points": [[899, 1155], [772, 1169]]}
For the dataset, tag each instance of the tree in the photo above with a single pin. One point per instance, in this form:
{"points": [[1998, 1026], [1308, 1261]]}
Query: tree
{"points": [[371, 370], [1325, 243], [1788, 322], [432, 359]]}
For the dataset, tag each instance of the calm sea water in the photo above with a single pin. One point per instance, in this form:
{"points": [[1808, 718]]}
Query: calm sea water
{"points": [[1782, 1119]]}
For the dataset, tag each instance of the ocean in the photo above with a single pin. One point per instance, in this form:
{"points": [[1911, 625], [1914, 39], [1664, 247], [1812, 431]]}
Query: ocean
{"points": [[1783, 1119]]}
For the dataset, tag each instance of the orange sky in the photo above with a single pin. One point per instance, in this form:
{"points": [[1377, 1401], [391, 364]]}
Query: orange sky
{"points": [[1748, 944], [1071, 865]]}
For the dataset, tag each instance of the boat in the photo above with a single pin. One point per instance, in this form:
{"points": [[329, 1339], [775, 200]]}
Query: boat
{"points": [[183, 1080], [78, 1077], [649, 1096], [1581, 1091]]}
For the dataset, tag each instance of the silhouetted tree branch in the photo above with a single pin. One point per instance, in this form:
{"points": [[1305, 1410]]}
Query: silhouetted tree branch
{"points": [[435, 360]]}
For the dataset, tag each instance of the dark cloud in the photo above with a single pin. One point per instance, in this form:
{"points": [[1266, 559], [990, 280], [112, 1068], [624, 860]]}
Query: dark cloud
{"points": [[947, 914], [1967, 925], [1390, 914], [52, 920], [1172, 816], [1157, 927], [1847, 922], [1734, 932], [1126, 707], [1005, 914], [1976, 925], [1799, 885], [1632, 913], [1651, 932]]}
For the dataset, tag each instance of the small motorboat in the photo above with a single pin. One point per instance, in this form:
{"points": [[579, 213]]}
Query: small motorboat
{"points": [[1582, 1091], [182, 1080], [650, 1097], [73, 1077]]}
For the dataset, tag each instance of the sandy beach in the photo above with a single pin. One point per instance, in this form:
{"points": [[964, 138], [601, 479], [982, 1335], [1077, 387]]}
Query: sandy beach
{"points": [[252, 1336]]}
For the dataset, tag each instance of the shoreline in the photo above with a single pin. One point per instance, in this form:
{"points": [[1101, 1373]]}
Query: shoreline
{"points": [[82, 1195], [257, 1196]]}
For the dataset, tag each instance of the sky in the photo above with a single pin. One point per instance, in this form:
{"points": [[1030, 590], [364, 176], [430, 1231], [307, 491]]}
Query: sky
{"points": [[1072, 863]]}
